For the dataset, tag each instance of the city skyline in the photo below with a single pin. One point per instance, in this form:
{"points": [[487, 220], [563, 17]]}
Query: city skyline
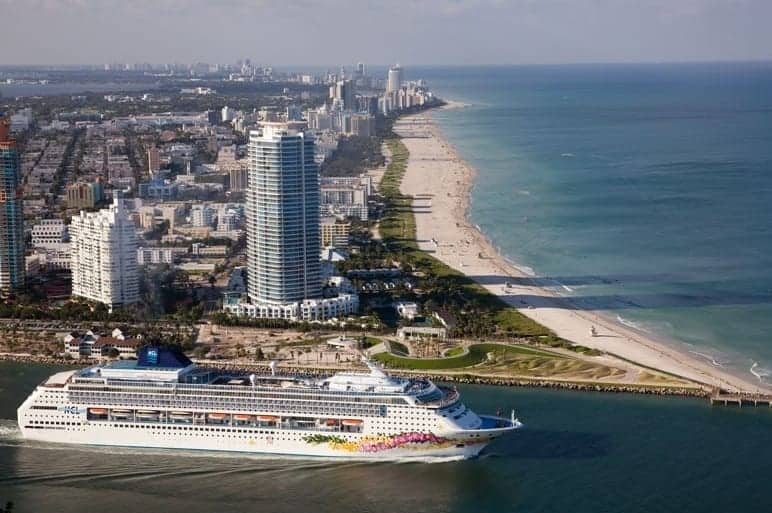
{"points": [[431, 33]]}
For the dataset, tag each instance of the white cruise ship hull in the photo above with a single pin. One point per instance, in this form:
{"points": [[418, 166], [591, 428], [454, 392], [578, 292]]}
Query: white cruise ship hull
{"points": [[289, 445], [351, 416], [238, 440]]}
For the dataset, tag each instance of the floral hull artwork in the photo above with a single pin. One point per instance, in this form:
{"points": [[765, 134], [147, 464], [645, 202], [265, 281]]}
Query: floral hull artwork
{"points": [[378, 443]]}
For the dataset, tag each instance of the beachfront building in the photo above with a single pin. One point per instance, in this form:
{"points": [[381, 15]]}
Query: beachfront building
{"points": [[394, 81], [104, 256], [283, 229], [11, 212], [345, 196]]}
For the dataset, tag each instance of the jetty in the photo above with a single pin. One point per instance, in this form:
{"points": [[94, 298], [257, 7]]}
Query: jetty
{"points": [[729, 399]]}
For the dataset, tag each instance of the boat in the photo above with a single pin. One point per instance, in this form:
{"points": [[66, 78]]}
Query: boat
{"points": [[348, 415]]}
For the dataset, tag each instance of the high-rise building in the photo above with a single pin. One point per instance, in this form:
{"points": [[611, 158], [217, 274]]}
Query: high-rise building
{"points": [[11, 212], [153, 161], [104, 256], [394, 81], [283, 215], [344, 91], [283, 229]]}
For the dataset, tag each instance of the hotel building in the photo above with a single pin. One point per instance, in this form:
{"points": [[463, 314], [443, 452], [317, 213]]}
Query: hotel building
{"points": [[283, 229], [104, 256]]}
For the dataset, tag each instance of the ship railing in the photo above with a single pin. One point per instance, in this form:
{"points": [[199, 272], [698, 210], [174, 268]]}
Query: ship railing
{"points": [[243, 390], [449, 396]]}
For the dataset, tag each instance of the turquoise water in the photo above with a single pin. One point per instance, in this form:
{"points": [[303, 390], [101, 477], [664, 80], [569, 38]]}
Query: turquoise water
{"points": [[643, 190], [578, 452]]}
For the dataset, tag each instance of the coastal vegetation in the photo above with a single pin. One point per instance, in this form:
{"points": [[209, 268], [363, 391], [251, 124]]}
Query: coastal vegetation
{"points": [[353, 156], [510, 360], [476, 311]]}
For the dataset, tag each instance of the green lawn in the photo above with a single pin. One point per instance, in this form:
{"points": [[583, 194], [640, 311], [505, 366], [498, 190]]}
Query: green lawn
{"points": [[478, 353]]}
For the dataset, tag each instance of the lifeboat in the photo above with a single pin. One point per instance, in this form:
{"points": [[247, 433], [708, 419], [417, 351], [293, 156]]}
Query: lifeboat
{"points": [[351, 422], [121, 414], [97, 411], [217, 416], [331, 422], [147, 414], [242, 418], [181, 414], [267, 418]]}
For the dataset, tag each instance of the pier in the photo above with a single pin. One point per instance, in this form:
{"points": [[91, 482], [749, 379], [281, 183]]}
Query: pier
{"points": [[729, 399]]}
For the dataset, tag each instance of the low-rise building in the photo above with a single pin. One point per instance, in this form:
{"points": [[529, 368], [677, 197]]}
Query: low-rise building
{"points": [[49, 233], [334, 233], [422, 332], [91, 345], [84, 195], [155, 256], [407, 309]]}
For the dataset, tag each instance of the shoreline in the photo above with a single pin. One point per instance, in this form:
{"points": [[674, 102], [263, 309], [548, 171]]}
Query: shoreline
{"points": [[441, 182]]}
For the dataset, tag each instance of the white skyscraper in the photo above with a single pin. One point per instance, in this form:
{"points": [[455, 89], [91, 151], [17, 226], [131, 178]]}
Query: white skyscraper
{"points": [[104, 256], [282, 205], [395, 79]]}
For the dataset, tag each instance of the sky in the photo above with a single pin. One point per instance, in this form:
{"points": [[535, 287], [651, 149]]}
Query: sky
{"points": [[411, 32]]}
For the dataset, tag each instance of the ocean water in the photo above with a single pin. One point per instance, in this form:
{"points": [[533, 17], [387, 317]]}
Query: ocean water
{"points": [[641, 190], [580, 452]]}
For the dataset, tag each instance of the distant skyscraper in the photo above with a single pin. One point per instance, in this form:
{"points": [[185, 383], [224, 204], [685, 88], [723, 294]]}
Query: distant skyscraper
{"points": [[283, 229], [104, 256], [344, 91], [153, 161], [361, 70], [11, 212], [394, 81]]}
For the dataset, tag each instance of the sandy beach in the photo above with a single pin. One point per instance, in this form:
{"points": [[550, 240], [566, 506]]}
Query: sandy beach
{"points": [[440, 182]]}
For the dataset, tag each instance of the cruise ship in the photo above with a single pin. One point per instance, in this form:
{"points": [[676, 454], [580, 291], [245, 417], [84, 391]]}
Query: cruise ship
{"points": [[163, 400]]}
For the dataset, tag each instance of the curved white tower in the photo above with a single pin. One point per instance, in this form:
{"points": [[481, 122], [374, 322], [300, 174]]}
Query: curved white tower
{"points": [[283, 215]]}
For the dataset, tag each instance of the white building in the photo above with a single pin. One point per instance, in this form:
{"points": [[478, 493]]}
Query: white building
{"points": [[104, 256], [407, 309], [202, 215], [227, 114], [90, 345], [49, 233], [345, 196], [155, 256], [394, 81], [284, 278]]}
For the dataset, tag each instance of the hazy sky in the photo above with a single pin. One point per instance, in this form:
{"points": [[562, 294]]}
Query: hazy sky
{"points": [[329, 32]]}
